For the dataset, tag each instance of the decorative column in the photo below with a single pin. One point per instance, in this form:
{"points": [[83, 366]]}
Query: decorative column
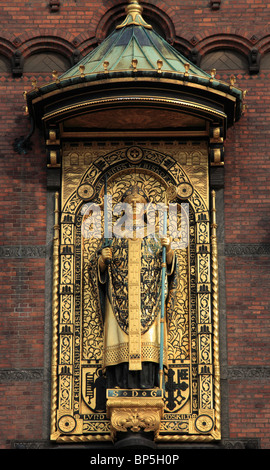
{"points": [[205, 420], [55, 313], [215, 313], [66, 290]]}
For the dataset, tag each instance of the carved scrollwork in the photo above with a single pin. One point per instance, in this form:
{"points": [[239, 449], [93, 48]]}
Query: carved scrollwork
{"points": [[135, 420], [135, 414]]}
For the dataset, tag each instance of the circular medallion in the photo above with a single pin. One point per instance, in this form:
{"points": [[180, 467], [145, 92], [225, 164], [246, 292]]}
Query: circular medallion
{"points": [[67, 423], [86, 191], [204, 423], [184, 190], [134, 154], [171, 192]]}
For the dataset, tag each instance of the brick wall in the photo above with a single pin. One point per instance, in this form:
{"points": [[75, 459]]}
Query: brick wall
{"points": [[29, 26], [247, 220], [22, 278]]}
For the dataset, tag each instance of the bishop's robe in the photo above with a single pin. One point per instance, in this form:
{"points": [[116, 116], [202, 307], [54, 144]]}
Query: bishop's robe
{"points": [[130, 301]]}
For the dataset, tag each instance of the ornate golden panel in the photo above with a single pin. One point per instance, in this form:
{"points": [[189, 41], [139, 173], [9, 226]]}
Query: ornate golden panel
{"points": [[81, 410]]}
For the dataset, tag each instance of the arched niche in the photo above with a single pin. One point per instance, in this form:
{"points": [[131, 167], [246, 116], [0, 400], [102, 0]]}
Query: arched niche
{"points": [[155, 167], [224, 60], [46, 62]]}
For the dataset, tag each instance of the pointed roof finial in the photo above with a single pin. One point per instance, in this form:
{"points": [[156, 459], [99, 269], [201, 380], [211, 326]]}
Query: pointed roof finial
{"points": [[134, 16]]}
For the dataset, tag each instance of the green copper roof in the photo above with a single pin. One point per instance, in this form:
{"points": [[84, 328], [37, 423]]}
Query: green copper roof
{"points": [[133, 50], [134, 39]]}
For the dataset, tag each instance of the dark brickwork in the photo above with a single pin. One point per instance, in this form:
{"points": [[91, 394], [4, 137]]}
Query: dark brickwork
{"points": [[72, 28]]}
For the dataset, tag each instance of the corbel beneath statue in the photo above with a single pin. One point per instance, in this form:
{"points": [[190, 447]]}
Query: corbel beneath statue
{"points": [[135, 410]]}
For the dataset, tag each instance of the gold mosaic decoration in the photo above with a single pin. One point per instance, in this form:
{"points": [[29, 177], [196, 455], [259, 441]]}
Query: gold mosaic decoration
{"points": [[191, 408]]}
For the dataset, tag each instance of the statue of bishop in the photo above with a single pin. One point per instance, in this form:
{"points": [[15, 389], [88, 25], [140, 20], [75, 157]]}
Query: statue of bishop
{"points": [[129, 289]]}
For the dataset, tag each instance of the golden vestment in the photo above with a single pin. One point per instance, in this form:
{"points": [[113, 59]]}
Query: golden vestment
{"points": [[133, 283]]}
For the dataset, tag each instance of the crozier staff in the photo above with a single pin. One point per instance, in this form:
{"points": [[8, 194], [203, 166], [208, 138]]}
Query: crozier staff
{"points": [[129, 280]]}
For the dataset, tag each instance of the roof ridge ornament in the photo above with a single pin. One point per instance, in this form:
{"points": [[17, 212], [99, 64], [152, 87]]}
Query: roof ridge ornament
{"points": [[134, 16]]}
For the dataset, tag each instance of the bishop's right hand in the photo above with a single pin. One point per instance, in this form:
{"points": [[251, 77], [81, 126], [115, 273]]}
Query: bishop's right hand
{"points": [[105, 258]]}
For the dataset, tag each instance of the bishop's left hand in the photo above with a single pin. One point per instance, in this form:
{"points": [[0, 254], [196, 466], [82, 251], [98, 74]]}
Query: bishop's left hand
{"points": [[166, 241]]}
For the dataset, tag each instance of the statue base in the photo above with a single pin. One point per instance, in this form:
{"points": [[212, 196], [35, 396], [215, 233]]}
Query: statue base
{"points": [[135, 412]]}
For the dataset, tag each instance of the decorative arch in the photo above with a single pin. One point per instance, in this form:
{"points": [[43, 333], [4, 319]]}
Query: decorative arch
{"points": [[224, 41], [195, 48], [54, 44], [22, 50]]}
